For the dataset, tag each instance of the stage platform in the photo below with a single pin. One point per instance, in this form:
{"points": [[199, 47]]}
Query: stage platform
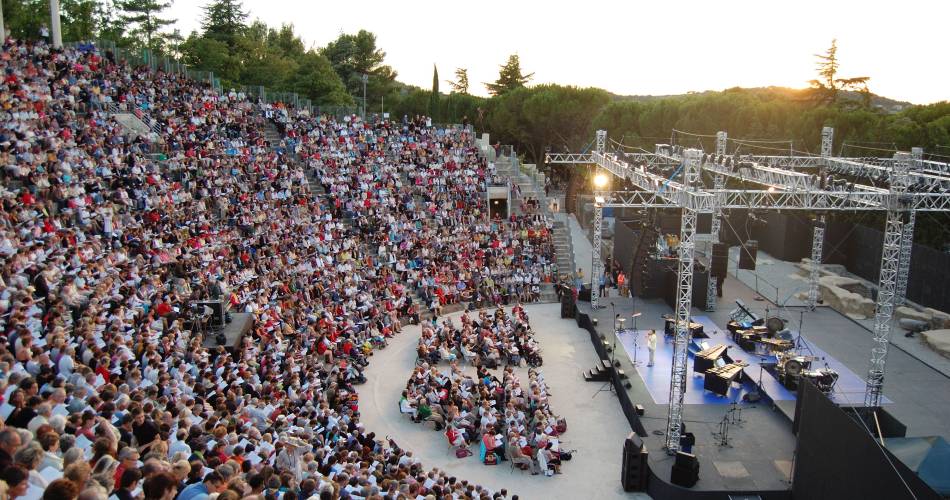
{"points": [[234, 331], [657, 377], [761, 448]]}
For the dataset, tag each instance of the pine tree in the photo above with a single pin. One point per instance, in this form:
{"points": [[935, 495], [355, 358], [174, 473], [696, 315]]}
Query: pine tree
{"points": [[224, 20], [827, 86], [434, 97], [460, 85], [509, 77], [145, 15]]}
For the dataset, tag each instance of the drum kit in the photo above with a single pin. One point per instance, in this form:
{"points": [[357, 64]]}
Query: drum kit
{"points": [[793, 367]]}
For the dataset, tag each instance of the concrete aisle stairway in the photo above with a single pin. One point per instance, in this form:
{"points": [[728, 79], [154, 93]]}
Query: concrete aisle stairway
{"points": [[273, 137], [561, 235]]}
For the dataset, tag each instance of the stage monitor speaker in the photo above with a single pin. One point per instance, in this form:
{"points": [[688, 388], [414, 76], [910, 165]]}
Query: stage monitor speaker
{"points": [[634, 474], [685, 470], [747, 255], [217, 314], [584, 295]]}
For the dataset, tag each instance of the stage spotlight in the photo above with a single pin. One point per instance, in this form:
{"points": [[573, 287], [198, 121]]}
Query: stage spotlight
{"points": [[600, 181]]}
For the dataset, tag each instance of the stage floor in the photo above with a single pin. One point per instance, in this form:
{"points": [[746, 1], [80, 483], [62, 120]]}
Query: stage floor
{"points": [[657, 377], [849, 389]]}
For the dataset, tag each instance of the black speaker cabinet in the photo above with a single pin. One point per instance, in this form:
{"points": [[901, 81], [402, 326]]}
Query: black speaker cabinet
{"points": [[687, 460], [719, 266], [634, 474], [685, 470], [567, 305], [747, 255], [584, 295]]}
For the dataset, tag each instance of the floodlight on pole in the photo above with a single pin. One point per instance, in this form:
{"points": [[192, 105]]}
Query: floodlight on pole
{"points": [[365, 78], [600, 181]]}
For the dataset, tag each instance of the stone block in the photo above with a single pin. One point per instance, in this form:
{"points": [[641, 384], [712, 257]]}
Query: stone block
{"points": [[940, 319], [938, 340], [843, 300], [910, 313]]}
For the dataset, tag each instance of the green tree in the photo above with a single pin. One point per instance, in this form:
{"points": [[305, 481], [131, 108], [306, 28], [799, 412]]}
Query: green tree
{"points": [[456, 107], [143, 18], [79, 19], [434, 96], [546, 116], [316, 80], [460, 85], [285, 41], [208, 54], [353, 56], [109, 26], [224, 20], [509, 77], [23, 18], [826, 85], [409, 101]]}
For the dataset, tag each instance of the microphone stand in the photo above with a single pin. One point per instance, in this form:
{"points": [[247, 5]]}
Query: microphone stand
{"points": [[636, 339], [613, 351]]}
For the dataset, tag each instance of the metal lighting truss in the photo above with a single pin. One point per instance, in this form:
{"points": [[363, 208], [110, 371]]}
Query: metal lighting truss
{"points": [[887, 282], [569, 158], [818, 233], [595, 268], [907, 241], [595, 271], [656, 191], [684, 299], [692, 202], [817, 243]]}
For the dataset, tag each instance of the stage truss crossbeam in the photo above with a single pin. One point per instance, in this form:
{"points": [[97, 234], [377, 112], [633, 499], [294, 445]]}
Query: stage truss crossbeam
{"points": [[569, 158]]}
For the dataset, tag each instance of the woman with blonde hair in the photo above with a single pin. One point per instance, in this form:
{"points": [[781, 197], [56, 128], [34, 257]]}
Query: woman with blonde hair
{"points": [[78, 473]]}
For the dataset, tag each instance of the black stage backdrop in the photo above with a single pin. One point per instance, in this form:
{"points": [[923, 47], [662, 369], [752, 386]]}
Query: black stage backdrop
{"points": [[837, 457]]}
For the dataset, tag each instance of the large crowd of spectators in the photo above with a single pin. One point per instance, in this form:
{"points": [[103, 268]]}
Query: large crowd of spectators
{"points": [[509, 420], [109, 384]]}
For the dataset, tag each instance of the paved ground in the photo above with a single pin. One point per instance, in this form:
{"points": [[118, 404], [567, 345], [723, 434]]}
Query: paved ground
{"points": [[596, 425], [583, 251]]}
